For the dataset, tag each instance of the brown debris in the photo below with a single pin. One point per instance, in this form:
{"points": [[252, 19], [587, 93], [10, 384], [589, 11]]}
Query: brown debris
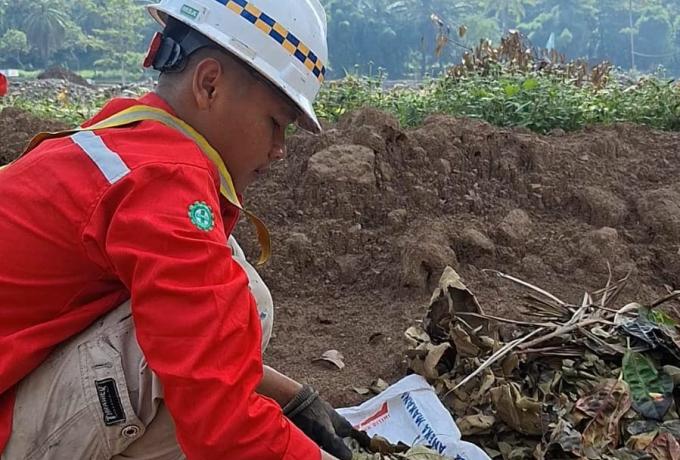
{"points": [[566, 384]]}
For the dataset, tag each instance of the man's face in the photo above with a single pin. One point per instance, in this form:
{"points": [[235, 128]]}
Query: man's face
{"points": [[247, 124]]}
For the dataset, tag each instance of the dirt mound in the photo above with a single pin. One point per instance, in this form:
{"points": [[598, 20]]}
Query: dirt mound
{"points": [[365, 216], [61, 73], [17, 127], [401, 203]]}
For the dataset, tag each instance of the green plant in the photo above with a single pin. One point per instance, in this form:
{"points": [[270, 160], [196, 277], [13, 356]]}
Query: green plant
{"points": [[536, 101], [69, 112], [531, 100]]}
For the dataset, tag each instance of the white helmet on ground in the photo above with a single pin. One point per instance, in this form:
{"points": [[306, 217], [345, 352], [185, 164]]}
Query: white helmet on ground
{"points": [[285, 41]]}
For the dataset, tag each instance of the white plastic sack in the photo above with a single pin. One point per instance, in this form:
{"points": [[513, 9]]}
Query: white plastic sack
{"points": [[410, 411]]}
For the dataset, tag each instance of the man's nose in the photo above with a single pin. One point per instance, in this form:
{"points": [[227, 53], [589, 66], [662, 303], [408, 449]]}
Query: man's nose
{"points": [[278, 151]]}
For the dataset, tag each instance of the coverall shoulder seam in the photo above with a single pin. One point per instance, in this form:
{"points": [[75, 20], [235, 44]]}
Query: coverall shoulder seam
{"points": [[96, 202]]}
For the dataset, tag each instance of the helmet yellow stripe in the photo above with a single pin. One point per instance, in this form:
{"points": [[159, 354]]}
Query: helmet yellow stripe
{"points": [[279, 34]]}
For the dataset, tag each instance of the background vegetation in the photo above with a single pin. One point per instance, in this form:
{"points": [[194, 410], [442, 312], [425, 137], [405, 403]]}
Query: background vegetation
{"points": [[505, 82], [109, 37], [536, 101]]}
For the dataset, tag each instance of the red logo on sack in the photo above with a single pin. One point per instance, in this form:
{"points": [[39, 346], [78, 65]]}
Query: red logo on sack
{"points": [[380, 416]]}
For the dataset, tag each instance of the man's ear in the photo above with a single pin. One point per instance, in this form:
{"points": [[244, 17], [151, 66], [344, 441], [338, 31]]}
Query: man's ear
{"points": [[207, 74]]}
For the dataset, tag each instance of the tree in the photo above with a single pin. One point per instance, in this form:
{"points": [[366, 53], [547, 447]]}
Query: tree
{"points": [[4, 5], [609, 41], [401, 36], [572, 23], [120, 36], [654, 40], [15, 44], [77, 49], [397, 35], [45, 28], [508, 10]]}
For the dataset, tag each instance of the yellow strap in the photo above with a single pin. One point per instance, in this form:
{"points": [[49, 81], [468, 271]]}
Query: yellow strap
{"points": [[141, 113]]}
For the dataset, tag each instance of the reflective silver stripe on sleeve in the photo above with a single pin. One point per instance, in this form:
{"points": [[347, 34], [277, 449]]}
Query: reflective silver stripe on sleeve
{"points": [[108, 161]]}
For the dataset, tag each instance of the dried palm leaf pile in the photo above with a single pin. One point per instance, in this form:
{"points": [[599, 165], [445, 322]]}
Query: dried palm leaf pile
{"points": [[587, 380]]}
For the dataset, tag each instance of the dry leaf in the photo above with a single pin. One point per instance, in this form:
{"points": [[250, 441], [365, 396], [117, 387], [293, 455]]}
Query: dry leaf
{"points": [[417, 365], [464, 346], [416, 335], [435, 354], [672, 427], [381, 445], [664, 447], [379, 386], [566, 402], [565, 436], [641, 426], [606, 405], [510, 363], [475, 424], [641, 441], [674, 372], [520, 413], [489, 343], [333, 357], [451, 297], [423, 453], [482, 395], [363, 391]]}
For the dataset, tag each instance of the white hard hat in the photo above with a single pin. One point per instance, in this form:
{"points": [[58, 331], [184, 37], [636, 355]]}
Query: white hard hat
{"points": [[285, 41]]}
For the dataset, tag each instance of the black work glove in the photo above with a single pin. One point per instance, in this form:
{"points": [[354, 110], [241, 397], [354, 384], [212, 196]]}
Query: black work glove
{"points": [[321, 423]]}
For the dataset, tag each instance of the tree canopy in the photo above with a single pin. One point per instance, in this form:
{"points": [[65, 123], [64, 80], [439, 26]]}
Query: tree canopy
{"points": [[405, 38]]}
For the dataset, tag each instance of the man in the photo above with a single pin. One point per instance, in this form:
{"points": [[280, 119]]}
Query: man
{"points": [[3, 85], [127, 329]]}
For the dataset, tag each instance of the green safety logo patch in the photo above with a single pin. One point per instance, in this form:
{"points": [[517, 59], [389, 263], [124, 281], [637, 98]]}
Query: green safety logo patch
{"points": [[189, 11], [202, 216]]}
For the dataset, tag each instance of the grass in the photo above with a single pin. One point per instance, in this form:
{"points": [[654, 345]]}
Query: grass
{"points": [[29, 73], [537, 102], [69, 112]]}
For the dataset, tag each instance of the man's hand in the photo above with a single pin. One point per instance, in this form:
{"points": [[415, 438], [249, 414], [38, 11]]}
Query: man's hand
{"points": [[318, 420]]}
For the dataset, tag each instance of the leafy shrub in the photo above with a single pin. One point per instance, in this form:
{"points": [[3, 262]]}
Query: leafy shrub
{"points": [[535, 101]]}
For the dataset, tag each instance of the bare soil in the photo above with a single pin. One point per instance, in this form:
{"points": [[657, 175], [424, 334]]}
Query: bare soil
{"points": [[365, 216], [61, 73], [17, 127]]}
